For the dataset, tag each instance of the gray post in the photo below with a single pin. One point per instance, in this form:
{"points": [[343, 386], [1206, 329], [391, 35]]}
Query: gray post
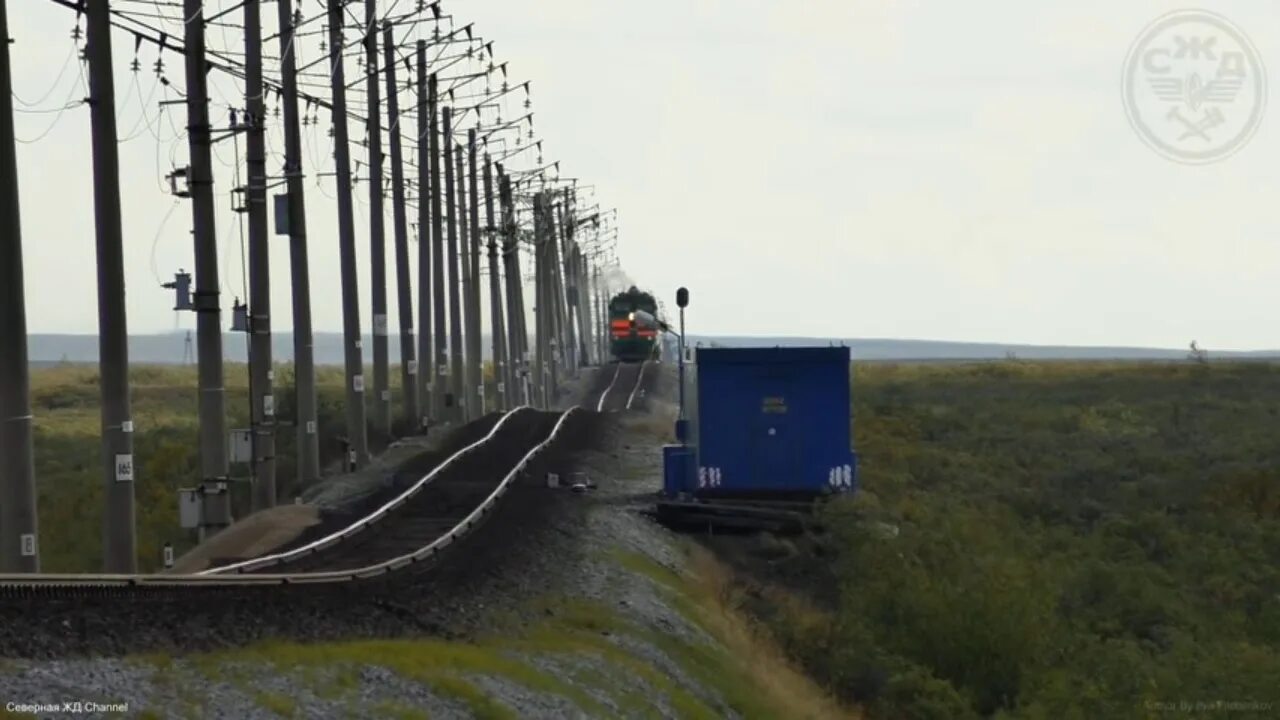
{"points": [[119, 546], [437, 250], [464, 395], [498, 329], [213, 422], [570, 298], [584, 303], [556, 296], [357, 432], [428, 219], [474, 345], [455, 310], [404, 290], [517, 342], [18, 526], [262, 399], [304, 373], [542, 314], [377, 223], [602, 302]]}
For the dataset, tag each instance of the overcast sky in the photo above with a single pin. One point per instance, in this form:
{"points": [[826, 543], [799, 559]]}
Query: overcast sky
{"points": [[851, 168]]}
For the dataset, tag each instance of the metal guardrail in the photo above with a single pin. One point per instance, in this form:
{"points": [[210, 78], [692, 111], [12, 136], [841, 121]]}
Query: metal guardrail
{"points": [[213, 578]]}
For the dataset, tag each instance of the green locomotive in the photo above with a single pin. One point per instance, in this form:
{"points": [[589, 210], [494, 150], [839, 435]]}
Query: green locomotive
{"points": [[627, 342]]}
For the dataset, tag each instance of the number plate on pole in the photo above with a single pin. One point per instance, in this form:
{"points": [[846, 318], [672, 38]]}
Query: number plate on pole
{"points": [[124, 468]]}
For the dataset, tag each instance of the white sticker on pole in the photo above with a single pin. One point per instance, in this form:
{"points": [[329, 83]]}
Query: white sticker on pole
{"points": [[126, 426], [444, 371], [271, 375], [413, 367], [168, 555], [311, 427], [357, 383], [502, 388], [379, 324], [386, 395], [124, 468], [28, 543], [269, 405]]}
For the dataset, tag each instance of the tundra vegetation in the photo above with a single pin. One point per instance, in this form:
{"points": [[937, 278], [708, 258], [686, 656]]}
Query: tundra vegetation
{"points": [[1047, 540]]}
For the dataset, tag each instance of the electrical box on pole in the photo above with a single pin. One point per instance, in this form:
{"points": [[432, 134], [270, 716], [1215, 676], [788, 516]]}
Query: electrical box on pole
{"points": [[282, 214]]}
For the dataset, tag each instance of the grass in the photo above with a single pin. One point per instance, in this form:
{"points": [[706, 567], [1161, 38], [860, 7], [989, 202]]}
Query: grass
{"points": [[438, 664], [281, 705], [746, 666], [399, 711]]}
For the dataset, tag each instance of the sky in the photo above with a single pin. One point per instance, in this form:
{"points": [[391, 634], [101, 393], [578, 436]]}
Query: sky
{"points": [[833, 168]]}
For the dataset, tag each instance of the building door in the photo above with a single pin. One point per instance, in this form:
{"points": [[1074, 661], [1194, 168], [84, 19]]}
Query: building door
{"points": [[773, 466]]}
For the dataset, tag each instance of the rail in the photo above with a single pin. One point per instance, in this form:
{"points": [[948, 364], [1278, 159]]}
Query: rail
{"points": [[605, 394]]}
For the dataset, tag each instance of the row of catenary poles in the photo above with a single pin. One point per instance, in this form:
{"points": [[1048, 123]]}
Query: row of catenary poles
{"points": [[441, 374]]}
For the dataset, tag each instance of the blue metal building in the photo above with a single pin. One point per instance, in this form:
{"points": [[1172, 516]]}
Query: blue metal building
{"points": [[772, 423]]}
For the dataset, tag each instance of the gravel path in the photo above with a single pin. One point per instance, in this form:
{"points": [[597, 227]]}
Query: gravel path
{"points": [[558, 607]]}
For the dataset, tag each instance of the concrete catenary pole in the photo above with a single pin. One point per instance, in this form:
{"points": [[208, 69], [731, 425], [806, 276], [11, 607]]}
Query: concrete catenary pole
{"points": [[262, 413], [400, 223], [428, 214], [357, 432], [566, 261], [455, 396], [437, 255], [377, 224], [555, 302], [587, 330], [18, 531], [119, 546], [474, 345], [603, 303], [542, 314], [304, 374], [517, 340], [213, 422], [464, 394], [498, 328]]}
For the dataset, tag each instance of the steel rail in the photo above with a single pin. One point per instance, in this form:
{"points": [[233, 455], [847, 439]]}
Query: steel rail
{"points": [[605, 394], [639, 379], [369, 520], [27, 582]]}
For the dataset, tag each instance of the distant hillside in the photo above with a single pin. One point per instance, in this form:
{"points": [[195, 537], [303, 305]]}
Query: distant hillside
{"points": [[888, 349], [168, 349]]}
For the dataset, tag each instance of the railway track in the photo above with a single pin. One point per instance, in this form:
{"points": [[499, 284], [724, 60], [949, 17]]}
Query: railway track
{"points": [[624, 387], [409, 531]]}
